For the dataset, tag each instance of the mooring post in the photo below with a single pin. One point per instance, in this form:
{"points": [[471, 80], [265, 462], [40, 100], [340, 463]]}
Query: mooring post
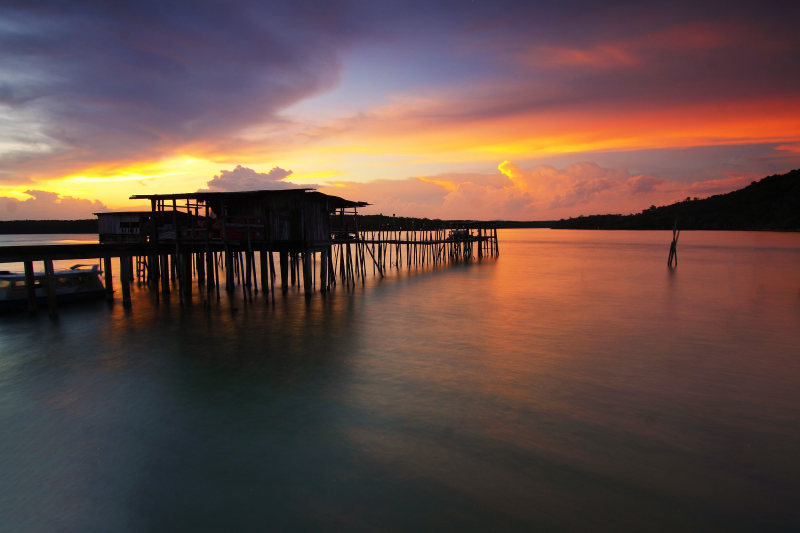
{"points": [[50, 280], [109, 278], [30, 286], [672, 260]]}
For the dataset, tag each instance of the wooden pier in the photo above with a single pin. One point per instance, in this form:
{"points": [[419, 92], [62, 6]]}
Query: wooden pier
{"points": [[232, 240]]}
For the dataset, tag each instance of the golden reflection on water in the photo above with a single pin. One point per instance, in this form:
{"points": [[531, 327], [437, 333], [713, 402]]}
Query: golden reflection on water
{"points": [[574, 382]]}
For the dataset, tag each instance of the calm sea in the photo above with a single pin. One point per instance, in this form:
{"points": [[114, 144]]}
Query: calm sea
{"points": [[574, 383]]}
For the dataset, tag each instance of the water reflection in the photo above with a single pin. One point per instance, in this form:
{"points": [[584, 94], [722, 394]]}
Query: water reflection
{"points": [[573, 383]]}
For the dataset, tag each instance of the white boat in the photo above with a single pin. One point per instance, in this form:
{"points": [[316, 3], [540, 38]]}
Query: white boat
{"points": [[80, 282]]}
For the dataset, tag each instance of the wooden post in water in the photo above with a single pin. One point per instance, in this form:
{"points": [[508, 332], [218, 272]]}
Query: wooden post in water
{"points": [[284, 265], [672, 260], [50, 280], [307, 273], [201, 269], [30, 286], [271, 275], [109, 278], [248, 269], [210, 264], [264, 267], [186, 275], [125, 281], [165, 278], [229, 283], [323, 271]]}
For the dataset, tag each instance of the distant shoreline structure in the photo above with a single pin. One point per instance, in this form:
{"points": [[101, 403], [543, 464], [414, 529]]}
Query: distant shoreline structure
{"points": [[770, 204]]}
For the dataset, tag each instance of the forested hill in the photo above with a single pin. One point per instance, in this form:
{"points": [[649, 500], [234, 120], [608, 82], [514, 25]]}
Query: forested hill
{"points": [[48, 226], [772, 203]]}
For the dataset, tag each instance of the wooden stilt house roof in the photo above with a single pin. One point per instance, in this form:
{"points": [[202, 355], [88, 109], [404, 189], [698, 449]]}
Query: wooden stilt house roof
{"points": [[334, 202]]}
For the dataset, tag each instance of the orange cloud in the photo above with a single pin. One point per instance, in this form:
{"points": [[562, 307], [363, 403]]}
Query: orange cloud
{"points": [[446, 185], [631, 52], [541, 192], [794, 148], [602, 56]]}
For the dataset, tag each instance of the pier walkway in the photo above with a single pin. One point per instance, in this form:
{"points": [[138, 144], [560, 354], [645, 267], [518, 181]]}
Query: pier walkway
{"points": [[345, 260], [233, 239]]}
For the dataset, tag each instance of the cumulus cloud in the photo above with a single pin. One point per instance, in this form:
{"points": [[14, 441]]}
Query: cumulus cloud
{"points": [[45, 205], [246, 179], [542, 192], [643, 184]]}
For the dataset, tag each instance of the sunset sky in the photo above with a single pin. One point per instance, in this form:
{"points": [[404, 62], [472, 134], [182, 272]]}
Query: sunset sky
{"points": [[485, 110]]}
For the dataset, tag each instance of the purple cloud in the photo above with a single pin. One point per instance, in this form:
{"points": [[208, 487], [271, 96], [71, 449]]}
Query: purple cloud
{"points": [[246, 179], [45, 205], [643, 184]]}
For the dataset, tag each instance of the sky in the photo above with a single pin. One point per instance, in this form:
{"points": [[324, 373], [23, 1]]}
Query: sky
{"points": [[481, 110]]}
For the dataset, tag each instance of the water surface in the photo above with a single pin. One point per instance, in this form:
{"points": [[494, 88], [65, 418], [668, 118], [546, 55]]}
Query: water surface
{"points": [[573, 383]]}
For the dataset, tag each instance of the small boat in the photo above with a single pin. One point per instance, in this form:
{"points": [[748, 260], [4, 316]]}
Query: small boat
{"points": [[80, 282]]}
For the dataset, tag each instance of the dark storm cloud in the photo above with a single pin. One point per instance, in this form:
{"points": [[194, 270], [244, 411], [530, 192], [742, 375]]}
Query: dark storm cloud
{"points": [[92, 82], [112, 80]]}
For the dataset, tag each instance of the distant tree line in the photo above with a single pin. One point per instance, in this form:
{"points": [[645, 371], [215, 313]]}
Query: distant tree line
{"points": [[49, 226], [383, 222], [773, 203]]}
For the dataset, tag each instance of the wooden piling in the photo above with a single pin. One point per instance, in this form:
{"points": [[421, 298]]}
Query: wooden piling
{"points": [[307, 273], [201, 269], [109, 278], [125, 281], [229, 266], [30, 286], [50, 287], [264, 270], [210, 278], [284, 264], [165, 278], [323, 271]]}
